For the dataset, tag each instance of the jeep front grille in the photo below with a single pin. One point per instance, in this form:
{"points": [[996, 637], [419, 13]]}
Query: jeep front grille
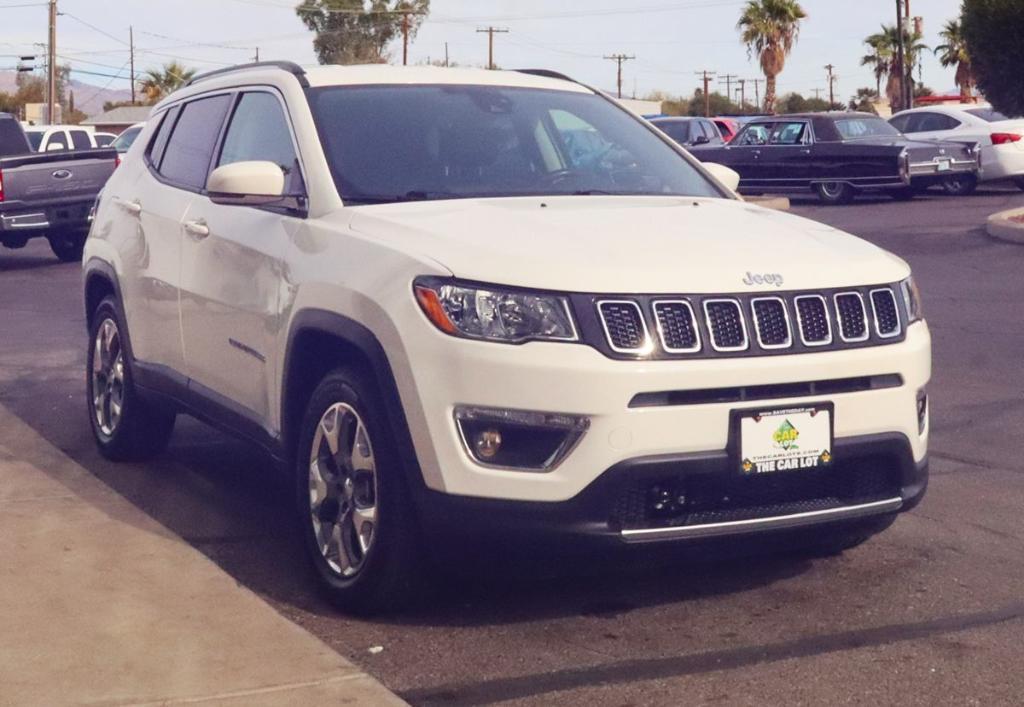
{"points": [[706, 326]]}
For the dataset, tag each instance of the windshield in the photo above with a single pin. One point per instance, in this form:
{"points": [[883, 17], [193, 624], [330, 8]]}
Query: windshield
{"points": [[987, 114], [853, 128], [402, 143], [125, 139], [35, 138]]}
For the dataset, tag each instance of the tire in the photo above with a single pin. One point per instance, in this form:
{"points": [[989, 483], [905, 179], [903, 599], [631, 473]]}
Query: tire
{"points": [[960, 184], [353, 503], [125, 426], [834, 193], [68, 245], [904, 193]]}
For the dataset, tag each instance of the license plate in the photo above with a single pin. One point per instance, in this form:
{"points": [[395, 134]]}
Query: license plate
{"points": [[942, 165], [785, 440]]}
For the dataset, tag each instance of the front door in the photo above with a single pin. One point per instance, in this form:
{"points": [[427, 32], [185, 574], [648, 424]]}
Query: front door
{"points": [[232, 267], [786, 160]]}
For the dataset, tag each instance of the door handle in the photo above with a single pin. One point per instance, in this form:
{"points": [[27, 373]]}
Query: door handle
{"points": [[197, 229], [132, 207]]}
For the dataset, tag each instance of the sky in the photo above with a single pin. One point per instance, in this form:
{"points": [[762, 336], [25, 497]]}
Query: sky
{"points": [[671, 39]]}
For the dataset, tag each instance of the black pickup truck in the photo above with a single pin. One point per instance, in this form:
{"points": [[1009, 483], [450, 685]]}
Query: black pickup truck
{"points": [[48, 194]]}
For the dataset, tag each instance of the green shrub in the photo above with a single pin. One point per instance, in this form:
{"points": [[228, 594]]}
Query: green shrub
{"points": [[994, 30]]}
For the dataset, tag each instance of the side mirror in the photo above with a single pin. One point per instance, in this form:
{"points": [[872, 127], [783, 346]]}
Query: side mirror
{"points": [[246, 184], [701, 140], [729, 178]]}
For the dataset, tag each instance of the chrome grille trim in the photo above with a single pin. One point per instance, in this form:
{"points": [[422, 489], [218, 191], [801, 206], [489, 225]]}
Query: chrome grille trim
{"points": [[800, 323], [757, 323], [711, 328], [895, 308], [645, 346], [693, 323], [863, 314]]}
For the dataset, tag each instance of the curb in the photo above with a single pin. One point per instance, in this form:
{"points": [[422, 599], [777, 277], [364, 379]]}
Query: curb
{"points": [[1002, 227], [779, 203]]}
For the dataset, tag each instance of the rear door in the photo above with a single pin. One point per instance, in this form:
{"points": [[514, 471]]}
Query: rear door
{"points": [[231, 265]]}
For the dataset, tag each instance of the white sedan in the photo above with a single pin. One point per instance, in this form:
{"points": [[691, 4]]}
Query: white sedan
{"points": [[1001, 139]]}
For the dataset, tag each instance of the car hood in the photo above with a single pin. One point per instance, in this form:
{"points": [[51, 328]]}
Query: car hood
{"points": [[628, 244]]}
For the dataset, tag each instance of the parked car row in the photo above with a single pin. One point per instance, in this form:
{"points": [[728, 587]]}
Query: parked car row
{"points": [[839, 155]]}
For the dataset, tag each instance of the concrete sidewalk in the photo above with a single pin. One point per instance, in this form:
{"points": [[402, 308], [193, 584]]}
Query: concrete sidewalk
{"points": [[101, 605]]}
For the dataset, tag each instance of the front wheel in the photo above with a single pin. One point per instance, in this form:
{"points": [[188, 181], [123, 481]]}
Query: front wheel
{"points": [[834, 192], [960, 184], [126, 426], [353, 503], [67, 245]]}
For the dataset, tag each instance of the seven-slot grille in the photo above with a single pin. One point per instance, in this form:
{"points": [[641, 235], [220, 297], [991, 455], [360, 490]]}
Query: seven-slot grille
{"points": [[677, 326], [726, 324], [853, 323], [887, 316], [812, 316], [747, 324], [624, 325]]}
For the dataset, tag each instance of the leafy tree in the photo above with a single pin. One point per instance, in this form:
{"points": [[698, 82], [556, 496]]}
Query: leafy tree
{"points": [[884, 57], [770, 28], [359, 31], [865, 100], [111, 105], [8, 103], [795, 103], [158, 83], [953, 52], [993, 30], [720, 105]]}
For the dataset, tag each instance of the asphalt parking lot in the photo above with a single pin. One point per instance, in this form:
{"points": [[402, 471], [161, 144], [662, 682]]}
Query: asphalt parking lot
{"points": [[931, 612]]}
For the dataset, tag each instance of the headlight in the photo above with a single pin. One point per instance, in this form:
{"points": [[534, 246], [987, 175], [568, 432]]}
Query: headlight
{"points": [[494, 313], [912, 299]]}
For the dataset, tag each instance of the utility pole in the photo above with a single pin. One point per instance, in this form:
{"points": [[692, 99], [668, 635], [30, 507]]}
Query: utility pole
{"points": [[131, 57], [619, 59], [446, 54], [831, 86], [757, 92], [490, 42], [707, 75], [919, 32], [817, 93], [256, 58], [405, 38], [51, 79], [728, 78], [900, 55], [743, 94]]}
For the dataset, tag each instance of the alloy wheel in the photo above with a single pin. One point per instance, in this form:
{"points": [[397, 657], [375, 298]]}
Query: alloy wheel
{"points": [[107, 377], [343, 490]]}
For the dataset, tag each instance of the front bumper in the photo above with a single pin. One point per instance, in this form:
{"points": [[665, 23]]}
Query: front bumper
{"points": [[877, 479], [574, 379]]}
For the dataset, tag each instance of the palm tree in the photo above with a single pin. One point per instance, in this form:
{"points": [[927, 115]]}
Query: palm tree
{"points": [[769, 28], [954, 53], [884, 57], [157, 83]]}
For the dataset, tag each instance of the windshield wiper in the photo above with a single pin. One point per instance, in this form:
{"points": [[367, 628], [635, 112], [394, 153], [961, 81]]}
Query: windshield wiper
{"points": [[412, 195]]}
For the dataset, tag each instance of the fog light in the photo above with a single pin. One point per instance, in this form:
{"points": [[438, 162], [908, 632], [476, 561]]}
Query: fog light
{"points": [[520, 440], [487, 443], [922, 411]]}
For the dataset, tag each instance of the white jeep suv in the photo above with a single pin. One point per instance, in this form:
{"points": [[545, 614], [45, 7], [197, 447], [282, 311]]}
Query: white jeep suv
{"points": [[490, 302]]}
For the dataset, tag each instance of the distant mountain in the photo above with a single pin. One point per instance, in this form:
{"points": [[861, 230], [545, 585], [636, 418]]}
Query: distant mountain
{"points": [[88, 98]]}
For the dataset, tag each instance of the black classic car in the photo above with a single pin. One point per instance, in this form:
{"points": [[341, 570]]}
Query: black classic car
{"points": [[690, 131], [837, 155]]}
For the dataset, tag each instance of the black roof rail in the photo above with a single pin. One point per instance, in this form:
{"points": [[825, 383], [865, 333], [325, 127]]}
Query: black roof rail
{"points": [[290, 66], [547, 73]]}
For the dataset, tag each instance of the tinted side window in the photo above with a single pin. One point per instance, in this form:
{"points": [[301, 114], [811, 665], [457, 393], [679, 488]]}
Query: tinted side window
{"points": [[186, 160], [158, 143], [900, 122], [12, 139], [933, 122], [678, 131], [80, 140], [788, 134], [259, 131], [753, 134], [57, 138]]}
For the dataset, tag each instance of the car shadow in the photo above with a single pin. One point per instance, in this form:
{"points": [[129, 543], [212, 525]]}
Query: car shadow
{"points": [[228, 501], [14, 261]]}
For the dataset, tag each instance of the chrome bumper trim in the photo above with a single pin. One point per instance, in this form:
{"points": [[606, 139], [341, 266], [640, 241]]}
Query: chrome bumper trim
{"points": [[754, 525], [918, 169], [34, 220]]}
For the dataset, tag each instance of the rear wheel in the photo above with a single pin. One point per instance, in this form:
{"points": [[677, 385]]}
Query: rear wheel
{"points": [[353, 503], [67, 245], [834, 192], [960, 184], [126, 427]]}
